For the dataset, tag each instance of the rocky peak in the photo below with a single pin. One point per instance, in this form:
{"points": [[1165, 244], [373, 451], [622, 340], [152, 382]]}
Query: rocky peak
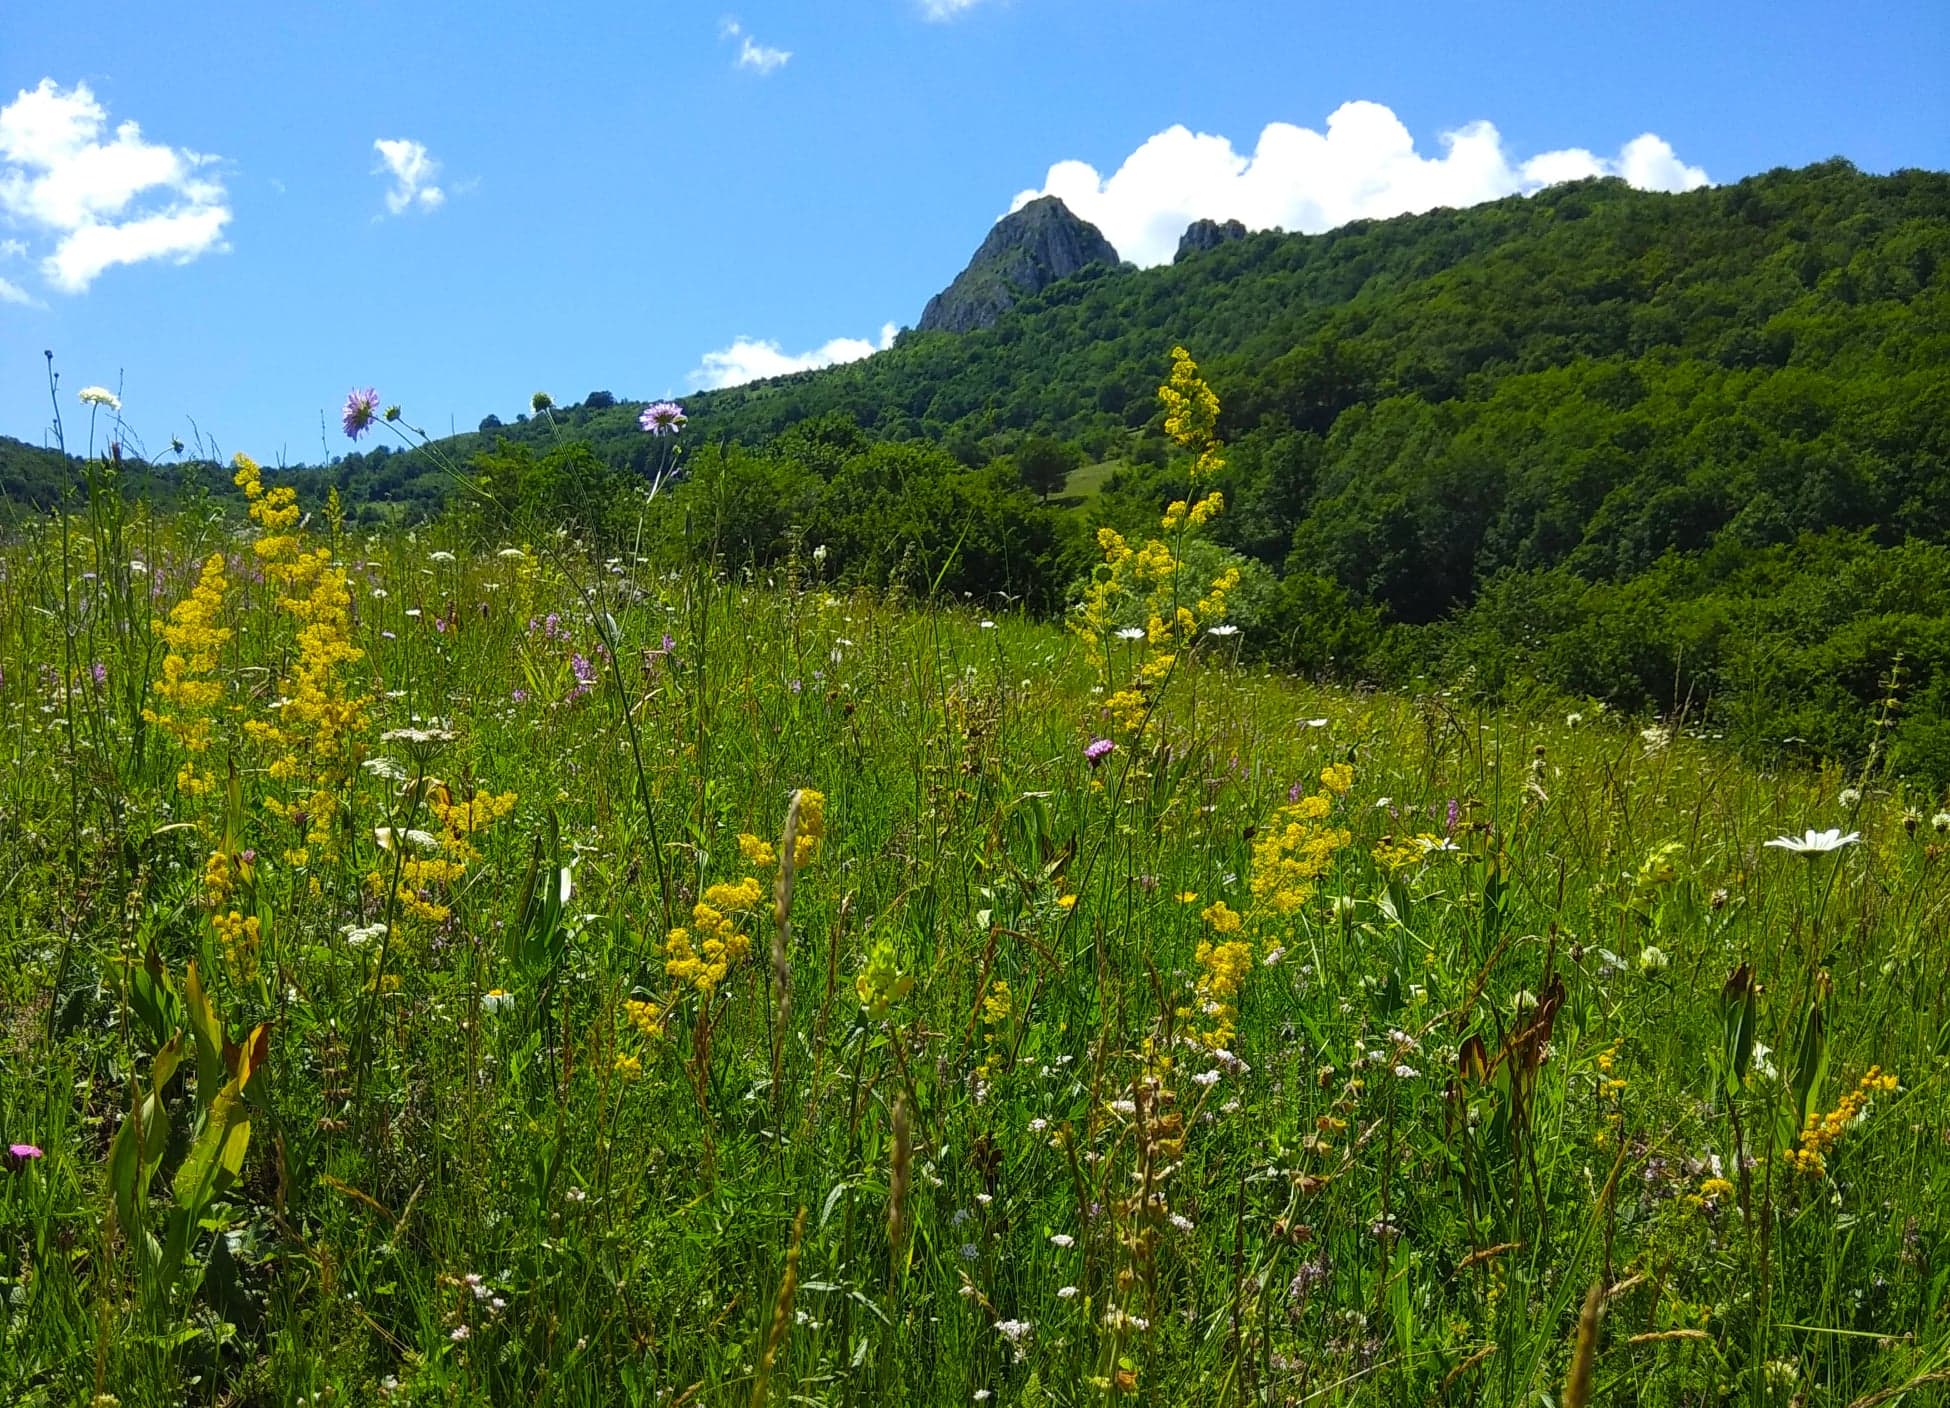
{"points": [[1027, 251], [1202, 235]]}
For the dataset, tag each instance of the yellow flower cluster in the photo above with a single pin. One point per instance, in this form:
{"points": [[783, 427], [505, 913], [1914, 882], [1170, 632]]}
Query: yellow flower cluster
{"points": [[1395, 854], [1294, 850], [1609, 1085], [761, 854], [462, 820], [188, 685], [646, 1017], [703, 954], [881, 983], [222, 874], [1824, 1131], [998, 1005], [1148, 582], [1180, 515], [419, 878], [1222, 970], [1192, 414], [812, 828], [1222, 917], [316, 735], [240, 938], [423, 876]]}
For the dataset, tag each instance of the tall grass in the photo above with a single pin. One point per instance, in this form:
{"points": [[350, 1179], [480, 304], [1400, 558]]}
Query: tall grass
{"points": [[1498, 1119]]}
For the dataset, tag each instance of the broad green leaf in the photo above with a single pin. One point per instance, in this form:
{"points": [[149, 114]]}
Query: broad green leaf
{"points": [[210, 1071], [152, 996], [1811, 1065], [525, 915], [216, 1156], [1738, 1011]]}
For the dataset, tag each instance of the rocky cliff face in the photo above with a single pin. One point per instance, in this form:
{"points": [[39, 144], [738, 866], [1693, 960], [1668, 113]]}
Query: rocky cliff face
{"points": [[1026, 252], [1202, 235]]}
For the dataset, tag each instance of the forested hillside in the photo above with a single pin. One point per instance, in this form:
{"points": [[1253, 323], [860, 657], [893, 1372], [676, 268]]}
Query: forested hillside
{"points": [[1662, 451]]}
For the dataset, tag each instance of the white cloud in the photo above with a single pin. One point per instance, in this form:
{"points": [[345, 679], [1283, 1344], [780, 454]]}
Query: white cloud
{"points": [[759, 58], [750, 359], [104, 199], [947, 9], [14, 293], [413, 170], [1364, 166]]}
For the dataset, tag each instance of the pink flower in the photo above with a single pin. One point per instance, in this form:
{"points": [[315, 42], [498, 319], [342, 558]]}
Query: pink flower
{"points": [[361, 409], [1097, 751], [22, 1153], [662, 418]]}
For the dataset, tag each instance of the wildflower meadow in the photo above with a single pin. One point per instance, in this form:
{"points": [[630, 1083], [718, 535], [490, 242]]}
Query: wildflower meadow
{"points": [[478, 964]]}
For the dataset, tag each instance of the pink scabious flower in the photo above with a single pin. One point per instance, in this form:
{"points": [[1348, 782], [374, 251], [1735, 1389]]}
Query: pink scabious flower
{"points": [[1097, 751], [361, 409], [662, 418], [23, 1153]]}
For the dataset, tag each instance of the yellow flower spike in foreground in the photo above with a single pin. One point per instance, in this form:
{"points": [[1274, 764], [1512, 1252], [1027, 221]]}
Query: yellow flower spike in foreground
{"points": [[1149, 583], [1294, 850], [189, 686], [1823, 1132], [812, 827]]}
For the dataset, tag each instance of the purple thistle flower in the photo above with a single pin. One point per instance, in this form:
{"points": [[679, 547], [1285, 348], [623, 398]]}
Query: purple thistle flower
{"points": [[662, 418], [1097, 751], [22, 1153], [361, 409]]}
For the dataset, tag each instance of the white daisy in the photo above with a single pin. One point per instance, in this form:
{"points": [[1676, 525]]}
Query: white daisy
{"points": [[1816, 843]]}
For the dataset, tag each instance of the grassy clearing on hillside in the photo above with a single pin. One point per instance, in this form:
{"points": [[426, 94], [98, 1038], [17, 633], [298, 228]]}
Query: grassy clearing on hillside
{"points": [[1086, 482], [438, 974]]}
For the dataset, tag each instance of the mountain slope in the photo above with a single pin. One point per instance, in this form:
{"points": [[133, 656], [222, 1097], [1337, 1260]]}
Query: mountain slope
{"points": [[1026, 251], [1667, 452], [1442, 304]]}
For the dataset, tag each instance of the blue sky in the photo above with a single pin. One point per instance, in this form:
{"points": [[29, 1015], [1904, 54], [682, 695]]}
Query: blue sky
{"points": [[626, 192]]}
